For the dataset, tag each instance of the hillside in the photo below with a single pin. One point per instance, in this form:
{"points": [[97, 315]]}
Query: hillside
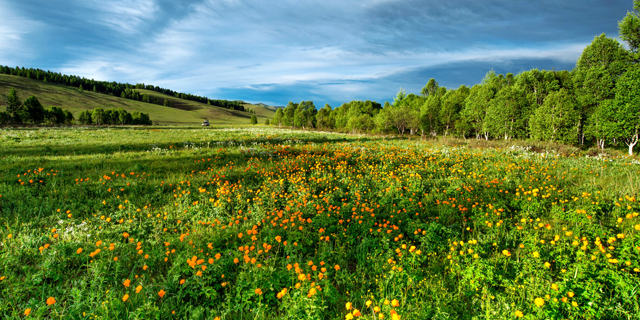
{"points": [[184, 112]]}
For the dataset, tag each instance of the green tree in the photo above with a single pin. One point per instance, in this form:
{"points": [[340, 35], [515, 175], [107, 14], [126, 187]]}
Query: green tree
{"points": [[85, 117], [556, 119], [430, 88], [324, 119], [98, 116], [80, 88], [629, 28], [266, 122], [289, 113], [54, 115], [168, 102], [278, 118], [508, 114], [14, 104], [627, 108], [452, 104], [600, 65], [254, 119], [34, 111], [68, 117]]}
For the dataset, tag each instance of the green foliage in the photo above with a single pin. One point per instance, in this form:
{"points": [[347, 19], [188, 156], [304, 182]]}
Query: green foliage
{"points": [[557, 119], [254, 119], [627, 107], [220, 222], [32, 110], [629, 28], [507, 115]]}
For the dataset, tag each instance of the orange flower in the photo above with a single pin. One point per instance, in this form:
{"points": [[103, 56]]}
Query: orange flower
{"points": [[240, 235], [258, 291], [126, 283], [348, 306], [79, 251], [51, 300], [161, 293], [337, 267], [218, 256], [126, 296], [27, 311], [138, 288], [182, 281]]}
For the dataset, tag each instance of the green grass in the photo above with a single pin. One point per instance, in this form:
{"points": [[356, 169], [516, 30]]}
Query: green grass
{"points": [[185, 112], [417, 228]]}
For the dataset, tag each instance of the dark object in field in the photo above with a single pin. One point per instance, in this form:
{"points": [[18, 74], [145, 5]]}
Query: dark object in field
{"points": [[205, 123]]}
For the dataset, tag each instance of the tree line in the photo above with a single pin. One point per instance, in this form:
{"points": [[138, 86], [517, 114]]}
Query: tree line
{"points": [[596, 103], [31, 111], [119, 116], [124, 90]]}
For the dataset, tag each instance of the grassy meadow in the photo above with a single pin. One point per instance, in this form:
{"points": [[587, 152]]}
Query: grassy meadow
{"points": [[184, 112], [195, 223]]}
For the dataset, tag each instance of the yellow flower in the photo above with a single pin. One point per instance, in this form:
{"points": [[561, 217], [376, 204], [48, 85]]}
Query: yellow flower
{"points": [[547, 264], [539, 302], [368, 303], [554, 287], [348, 305], [519, 314], [570, 294], [395, 303], [506, 253]]}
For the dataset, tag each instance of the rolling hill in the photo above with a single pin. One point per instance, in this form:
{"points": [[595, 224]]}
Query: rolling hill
{"points": [[183, 112]]}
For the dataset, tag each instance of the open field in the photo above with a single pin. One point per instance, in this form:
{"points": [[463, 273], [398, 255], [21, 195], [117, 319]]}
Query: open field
{"points": [[186, 112], [182, 223]]}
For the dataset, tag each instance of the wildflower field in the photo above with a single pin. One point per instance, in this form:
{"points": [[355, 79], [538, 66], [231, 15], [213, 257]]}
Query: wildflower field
{"points": [[174, 223]]}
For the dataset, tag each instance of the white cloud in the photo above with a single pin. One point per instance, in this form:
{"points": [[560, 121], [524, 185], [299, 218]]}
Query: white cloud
{"points": [[14, 32], [123, 15]]}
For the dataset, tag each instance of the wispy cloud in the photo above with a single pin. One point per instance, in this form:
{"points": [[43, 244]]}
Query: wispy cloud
{"points": [[329, 51]]}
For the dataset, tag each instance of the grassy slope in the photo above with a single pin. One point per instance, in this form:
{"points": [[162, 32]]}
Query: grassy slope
{"points": [[185, 112]]}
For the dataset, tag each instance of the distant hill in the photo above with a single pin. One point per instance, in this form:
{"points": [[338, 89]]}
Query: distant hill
{"points": [[273, 108], [183, 112]]}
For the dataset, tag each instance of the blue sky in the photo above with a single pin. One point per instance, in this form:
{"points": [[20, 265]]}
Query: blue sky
{"points": [[330, 51]]}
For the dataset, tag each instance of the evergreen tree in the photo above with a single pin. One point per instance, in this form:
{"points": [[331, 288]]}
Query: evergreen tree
{"points": [[14, 105], [254, 119], [34, 111]]}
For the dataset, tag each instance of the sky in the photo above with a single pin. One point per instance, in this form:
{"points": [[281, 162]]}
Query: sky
{"points": [[273, 52]]}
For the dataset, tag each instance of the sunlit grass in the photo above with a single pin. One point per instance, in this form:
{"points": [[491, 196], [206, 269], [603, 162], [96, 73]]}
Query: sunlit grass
{"points": [[266, 223]]}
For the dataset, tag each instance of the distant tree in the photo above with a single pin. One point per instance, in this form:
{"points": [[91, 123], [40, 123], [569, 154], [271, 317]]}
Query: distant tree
{"points": [[278, 118], [14, 105], [80, 88], [95, 89], [430, 88], [324, 118], [68, 117], [33, 110], [84, 117], [289, 113], [168, 103], [98, 116], [399, 96], [305, 115], [254, 119], [556, 119], [54, 115], [124, 117], [266, 122]]}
